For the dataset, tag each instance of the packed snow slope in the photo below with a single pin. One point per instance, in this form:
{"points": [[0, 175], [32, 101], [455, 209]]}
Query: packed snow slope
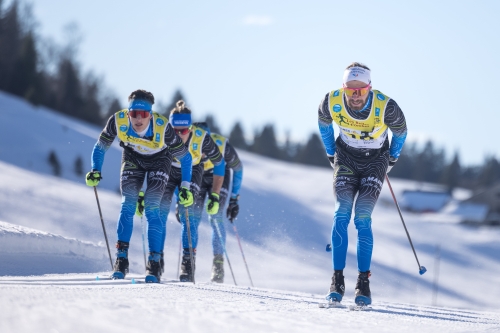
{"points": [[285, 222]]}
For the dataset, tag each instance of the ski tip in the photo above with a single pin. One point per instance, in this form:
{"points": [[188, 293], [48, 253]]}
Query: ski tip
{"points": [[422, 270], [118, 276], [152, 279]]}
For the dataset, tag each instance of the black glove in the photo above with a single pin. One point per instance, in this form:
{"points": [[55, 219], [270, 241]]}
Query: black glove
{"points": [[233, 209], [139, 207], [332, 160], [392, 162]]}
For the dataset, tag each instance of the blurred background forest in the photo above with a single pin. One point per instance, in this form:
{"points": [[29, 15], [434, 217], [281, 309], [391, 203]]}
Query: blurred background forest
{"points": [[45, 73]]}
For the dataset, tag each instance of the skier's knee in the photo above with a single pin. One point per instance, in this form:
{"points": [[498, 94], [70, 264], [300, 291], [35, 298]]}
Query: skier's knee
{"points": [[362, 222]]}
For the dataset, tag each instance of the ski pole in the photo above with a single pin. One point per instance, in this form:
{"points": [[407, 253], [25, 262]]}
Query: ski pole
{"points": [[421, 269], [103, 227], [225, 251], [143, 244], [241, 249], [180, 253], [190, 243]]}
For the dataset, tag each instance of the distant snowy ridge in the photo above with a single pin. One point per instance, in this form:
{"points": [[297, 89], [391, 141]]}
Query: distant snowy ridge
{"points": [[29, 251], [18, 239]]}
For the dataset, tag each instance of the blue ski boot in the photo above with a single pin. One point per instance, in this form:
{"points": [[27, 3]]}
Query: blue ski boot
{"points": [[363, 296], [153, 268], [121, 264], [337, 288]]}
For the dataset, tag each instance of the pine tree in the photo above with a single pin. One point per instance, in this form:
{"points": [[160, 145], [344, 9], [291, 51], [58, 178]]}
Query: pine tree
{"points": [[54, 163], [212, 124], [313, 153], [237, 137], [265, 143], [79, 166], [451, 173]]}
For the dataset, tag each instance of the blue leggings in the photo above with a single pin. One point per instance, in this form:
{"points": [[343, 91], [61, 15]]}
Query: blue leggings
{"points": [[365, 179], [133, 171]]}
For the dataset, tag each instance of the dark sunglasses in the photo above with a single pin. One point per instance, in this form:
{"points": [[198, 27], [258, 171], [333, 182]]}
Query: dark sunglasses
{"points": [[135, 113], [182, 131]]}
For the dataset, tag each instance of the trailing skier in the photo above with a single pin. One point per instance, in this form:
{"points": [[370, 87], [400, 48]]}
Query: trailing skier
{"points": [[200, 144]]}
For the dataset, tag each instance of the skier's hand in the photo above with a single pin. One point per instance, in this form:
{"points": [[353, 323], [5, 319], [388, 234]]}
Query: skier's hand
{"points": [[177, 216], [139, 208], [185, 197], [92, 178], [213, 203], [233, 209], [332, 160], [392, 162]]}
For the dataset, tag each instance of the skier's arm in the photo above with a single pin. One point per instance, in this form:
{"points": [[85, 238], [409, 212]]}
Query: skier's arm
{"points": [[179, 150], [326, 127], [211, 150], [233, 161], [106, 138], [395, 120]]}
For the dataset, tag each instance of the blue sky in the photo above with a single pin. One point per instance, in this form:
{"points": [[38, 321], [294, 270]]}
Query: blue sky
{"points": [[272, 61]]}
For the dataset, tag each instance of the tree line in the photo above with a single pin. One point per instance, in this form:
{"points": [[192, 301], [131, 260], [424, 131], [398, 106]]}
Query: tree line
{"points": [[47, 74]]}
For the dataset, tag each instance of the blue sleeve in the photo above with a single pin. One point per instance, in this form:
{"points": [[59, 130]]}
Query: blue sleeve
{"points": [[397, 143], [328, 137], [220, 169], [237, 179], [186, 167], [98, 156]]}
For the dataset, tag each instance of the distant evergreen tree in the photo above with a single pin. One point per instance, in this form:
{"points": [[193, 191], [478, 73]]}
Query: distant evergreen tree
{"points": [[313, 153], [489, 173], [54, 163], [114, 107], [10, 44], [429, 164], [451, 173], [79, 166], [265, 143], [210, 120], [405, 165], [237, 137]]}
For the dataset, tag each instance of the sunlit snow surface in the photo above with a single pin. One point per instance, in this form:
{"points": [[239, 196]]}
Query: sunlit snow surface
{"points": [[51, 226]]}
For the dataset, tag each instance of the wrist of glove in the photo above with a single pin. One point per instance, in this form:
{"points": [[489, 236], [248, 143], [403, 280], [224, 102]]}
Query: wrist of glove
{"points": [[185, 197], [92, 178], [139, 207], [233, 209], [392, 162], [213, 203]]}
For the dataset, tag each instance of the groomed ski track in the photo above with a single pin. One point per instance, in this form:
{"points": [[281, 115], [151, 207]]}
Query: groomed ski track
{"points": [[80, 303]]}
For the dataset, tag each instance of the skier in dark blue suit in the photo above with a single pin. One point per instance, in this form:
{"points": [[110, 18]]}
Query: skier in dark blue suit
{"points": [[149, 143], [361, 156]]}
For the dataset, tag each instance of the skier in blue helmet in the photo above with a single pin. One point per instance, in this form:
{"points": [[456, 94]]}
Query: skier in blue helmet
{"points": [[149, 144]]}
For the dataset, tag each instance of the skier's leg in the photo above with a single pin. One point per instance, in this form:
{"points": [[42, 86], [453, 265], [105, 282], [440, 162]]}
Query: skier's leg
{"points": [[217, 243], [174, 180], [372, 179], [158, 175], [345, 185], [193, 222], [131, 179]]}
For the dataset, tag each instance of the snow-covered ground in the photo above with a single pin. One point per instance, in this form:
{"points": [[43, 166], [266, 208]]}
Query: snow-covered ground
{"points": [[51, 226]]}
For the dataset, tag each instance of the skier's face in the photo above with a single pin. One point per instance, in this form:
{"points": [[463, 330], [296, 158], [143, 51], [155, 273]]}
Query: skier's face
{"points": [[139, 123], [357, 100], [183, 132]]}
